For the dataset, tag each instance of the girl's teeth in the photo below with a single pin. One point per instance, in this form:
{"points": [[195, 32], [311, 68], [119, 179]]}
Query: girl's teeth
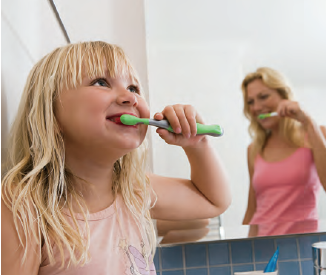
{"points": [[115, 119]]}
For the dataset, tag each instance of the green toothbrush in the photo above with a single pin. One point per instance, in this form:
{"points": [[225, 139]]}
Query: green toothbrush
{"points": [[262, 116], [212, 130]]}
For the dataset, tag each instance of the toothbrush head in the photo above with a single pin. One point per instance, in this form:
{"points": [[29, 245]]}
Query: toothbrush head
{"points": [[263, 116], [129, 119]]}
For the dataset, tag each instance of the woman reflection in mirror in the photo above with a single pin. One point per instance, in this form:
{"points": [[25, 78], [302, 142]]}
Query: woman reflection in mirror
{"points": [[286, 158]]}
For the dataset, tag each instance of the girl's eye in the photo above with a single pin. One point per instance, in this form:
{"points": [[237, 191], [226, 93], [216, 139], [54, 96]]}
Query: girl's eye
{"points": [[250, 102], [100, 82], [134, 89]]}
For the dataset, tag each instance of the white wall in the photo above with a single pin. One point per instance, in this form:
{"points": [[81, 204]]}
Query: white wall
{"points": [[29, 30]]}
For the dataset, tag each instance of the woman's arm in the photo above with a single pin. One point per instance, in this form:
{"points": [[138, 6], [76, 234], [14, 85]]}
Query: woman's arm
{"points": [[251, 206], [253, 230], [12, 251], [207, 193], [316, 134], [317, 141]]}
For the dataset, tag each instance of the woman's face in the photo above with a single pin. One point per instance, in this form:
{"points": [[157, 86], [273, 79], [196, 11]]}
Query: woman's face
{"points": [[89, 115], [262, 99]]}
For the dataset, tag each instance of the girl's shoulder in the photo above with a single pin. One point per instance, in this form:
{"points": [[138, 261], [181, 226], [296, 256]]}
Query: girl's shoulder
{"points": [[13, 237]]}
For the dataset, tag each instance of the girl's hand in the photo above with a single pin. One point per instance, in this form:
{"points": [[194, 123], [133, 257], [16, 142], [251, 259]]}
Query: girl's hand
{"points": [[182, 119], [292, 109]]}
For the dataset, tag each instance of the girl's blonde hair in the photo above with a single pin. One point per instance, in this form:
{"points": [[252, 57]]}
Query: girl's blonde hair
{"points": [[290, 128], [38, 185]]}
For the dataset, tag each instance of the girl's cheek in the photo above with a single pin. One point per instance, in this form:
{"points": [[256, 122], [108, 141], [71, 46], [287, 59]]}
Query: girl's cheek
{"points": [[145, 110]]}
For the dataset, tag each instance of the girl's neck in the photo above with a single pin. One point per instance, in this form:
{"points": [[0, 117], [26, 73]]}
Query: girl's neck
{"points": [[93, 180]]}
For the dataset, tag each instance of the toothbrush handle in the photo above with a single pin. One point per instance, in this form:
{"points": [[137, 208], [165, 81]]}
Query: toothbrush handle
{"points": [[211, 130], [202, 129]]}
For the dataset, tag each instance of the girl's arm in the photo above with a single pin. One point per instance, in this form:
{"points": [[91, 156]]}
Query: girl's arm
{"points": [[11, 250], [207, 193]]}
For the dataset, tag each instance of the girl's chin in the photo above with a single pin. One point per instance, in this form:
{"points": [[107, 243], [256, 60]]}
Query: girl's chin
{"points": [[131, 145]]}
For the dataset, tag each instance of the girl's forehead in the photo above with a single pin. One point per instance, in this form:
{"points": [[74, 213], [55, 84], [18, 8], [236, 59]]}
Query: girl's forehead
{"points": [[108, 71]]}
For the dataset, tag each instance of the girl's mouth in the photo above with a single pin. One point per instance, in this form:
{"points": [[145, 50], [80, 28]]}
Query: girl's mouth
{"points": [[116, 120]]}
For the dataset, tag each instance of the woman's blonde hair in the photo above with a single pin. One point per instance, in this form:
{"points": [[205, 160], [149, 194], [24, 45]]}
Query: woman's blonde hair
{"points": [[38, 185], [290, 128]]}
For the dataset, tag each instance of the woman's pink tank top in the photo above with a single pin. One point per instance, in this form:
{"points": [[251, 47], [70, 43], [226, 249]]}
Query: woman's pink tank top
{"points": [[116, 246], [286, 194]]}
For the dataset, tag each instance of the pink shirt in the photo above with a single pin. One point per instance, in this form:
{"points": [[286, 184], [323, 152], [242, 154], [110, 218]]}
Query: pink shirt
{"points": [[286, 194], [116, 246]]}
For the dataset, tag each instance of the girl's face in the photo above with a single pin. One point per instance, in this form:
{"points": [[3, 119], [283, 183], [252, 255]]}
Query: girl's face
{"points": [[262, 99], [89, 115]]}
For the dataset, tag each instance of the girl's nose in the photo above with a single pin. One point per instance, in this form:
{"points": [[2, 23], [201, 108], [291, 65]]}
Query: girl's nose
{"points": [[126, 97]]}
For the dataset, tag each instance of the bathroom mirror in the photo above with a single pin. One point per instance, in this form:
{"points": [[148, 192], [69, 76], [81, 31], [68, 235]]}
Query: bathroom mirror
{"points": [[200, 51]]}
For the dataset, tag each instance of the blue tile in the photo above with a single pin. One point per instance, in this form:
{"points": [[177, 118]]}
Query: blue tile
{"points": [[261, 266], [171, 257], [241, 252], [195, 255], [222, 270], [157, 260], [243, 268], [305, 243], [322, 238], [174, 272], [289, 268], [307, 267], [218, 253], [264, 249], [288, 249], [196, 271]]}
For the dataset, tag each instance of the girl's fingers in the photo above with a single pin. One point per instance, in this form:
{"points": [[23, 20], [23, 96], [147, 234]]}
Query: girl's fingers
{"points": [[182, 119], [185, 127], [190, 113], [158, 116], [171, 116], [168, 137]]}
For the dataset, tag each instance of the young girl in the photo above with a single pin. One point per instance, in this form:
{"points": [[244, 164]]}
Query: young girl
{"points": [[286, 159], [76, 199]]}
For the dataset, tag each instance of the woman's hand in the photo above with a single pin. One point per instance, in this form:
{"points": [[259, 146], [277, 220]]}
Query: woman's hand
{"points": [[292, 109], [182, 119]]}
